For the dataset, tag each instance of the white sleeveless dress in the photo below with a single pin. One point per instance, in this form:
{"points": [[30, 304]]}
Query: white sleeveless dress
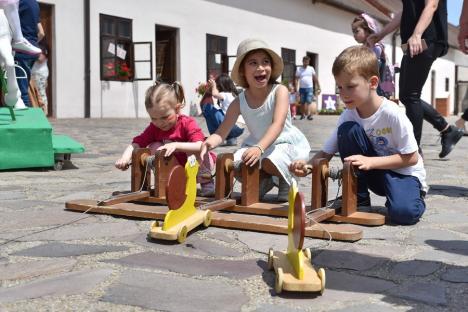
{"points": [[290, 145]]}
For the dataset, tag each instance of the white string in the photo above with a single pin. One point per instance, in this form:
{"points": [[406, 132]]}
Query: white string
{"points": [[51, 228]]}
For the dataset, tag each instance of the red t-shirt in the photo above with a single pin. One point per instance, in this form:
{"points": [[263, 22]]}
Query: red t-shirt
{"points": [[186, 129]]}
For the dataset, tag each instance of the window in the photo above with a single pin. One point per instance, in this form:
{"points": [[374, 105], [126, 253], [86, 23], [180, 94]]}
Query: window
{"points": [[289, 60], [216, 56], [116, 48]]}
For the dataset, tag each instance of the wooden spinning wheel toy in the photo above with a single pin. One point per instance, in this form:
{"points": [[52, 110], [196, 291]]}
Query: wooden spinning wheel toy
{"points": [[182, 216], [294, 271]]}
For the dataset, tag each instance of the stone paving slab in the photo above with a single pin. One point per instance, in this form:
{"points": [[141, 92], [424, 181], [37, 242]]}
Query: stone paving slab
{"points": [[456, 275], [30, 269], [428, 293], [66, 284], [163, 292], [237, 269], [66, 250], [84, 231], [416, 268], [30, 219]]}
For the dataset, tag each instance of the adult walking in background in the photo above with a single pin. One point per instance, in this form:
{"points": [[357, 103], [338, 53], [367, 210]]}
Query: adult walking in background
{"points": [[40, 74], [421, 21], [463, 44], [306, 78], [33, 32]]}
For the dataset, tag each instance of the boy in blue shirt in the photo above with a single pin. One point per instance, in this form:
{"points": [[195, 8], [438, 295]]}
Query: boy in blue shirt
{"points": [[376, 137]]}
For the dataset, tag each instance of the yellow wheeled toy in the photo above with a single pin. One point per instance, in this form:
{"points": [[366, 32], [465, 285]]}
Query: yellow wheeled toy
{"points": [[182, 216], [294, 271]]}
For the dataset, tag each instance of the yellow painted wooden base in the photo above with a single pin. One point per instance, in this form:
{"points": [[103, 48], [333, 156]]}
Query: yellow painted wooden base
{"points": [[179, 231], [286, 278]]}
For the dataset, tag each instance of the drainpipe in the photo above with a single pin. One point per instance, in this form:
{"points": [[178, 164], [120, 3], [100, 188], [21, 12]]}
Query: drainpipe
{"points": [[87, 60]]}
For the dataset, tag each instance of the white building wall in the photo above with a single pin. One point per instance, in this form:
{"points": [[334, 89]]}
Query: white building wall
{"points": [[68, 70], [298, 25]]}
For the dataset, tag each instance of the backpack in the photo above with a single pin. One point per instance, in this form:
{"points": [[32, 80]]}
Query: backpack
{"points": [[387, 75]]}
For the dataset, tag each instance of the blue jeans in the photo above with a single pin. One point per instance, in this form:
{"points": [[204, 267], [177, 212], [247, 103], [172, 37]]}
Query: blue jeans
{"points": [[306, 95], [405, 201], [23, 84], [214, 117]]}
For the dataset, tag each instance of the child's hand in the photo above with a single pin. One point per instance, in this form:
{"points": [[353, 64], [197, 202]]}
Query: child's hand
{"points": [[299, 168], [122, 163], [362, 162], [169, 147], [204, 148], [251, 156]]}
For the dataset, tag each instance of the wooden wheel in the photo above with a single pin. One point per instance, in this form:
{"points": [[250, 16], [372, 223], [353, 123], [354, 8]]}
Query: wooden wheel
{"points": [[175, 187], [207, 219], [323, 280], [154, 224], [299, 221], [307, 253], [270, 259], [279, 281], [182, 235]]}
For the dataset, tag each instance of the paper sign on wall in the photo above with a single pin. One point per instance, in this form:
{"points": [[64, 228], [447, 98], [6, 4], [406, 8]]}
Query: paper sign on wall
{"points": [[121, 53], [111, 48], [218, 58]]}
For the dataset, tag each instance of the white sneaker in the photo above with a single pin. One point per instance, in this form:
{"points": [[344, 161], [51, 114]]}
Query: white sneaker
{"points": [[20, 104], [24, 46]]}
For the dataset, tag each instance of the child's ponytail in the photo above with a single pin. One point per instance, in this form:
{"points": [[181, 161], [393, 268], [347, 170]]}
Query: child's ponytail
{"points": [[161, 91], [179, 92]]}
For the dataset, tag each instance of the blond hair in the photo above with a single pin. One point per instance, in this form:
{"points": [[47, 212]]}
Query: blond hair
{"points": [[358, 60], [163, 92]]}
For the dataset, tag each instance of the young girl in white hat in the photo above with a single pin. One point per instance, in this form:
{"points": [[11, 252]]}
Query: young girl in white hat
{"points": [[264, 104]]}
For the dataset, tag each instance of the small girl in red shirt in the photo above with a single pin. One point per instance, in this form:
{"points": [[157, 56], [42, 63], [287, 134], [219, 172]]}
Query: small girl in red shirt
{"points": [[178, 134]]}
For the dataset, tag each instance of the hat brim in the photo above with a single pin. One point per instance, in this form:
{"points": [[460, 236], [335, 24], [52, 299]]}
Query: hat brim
{"points": [[277, 66]]}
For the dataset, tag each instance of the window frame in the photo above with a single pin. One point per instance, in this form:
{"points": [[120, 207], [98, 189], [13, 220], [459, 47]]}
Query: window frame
{"points": [[117, 39], [221, 50], [286, 54]]}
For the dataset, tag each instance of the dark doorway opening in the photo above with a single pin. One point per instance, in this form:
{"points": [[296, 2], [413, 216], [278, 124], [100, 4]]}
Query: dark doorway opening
{"points": [[166, 53], [47, 21]]}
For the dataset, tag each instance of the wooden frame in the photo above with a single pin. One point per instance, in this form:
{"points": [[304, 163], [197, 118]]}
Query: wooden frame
{"points": [[262, 217]]}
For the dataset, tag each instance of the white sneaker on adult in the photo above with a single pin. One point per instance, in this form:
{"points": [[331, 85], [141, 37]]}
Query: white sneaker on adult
{"points": [[20, 104], [24, 46]]}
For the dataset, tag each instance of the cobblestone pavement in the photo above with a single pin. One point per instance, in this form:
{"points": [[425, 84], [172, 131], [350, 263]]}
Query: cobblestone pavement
{"points": [[56, 260]]}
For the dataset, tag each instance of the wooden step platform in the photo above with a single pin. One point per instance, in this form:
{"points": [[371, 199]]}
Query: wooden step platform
{"points": [[233, 220]]}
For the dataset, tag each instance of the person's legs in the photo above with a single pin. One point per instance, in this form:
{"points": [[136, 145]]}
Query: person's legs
{"points": [[405, 202], [303, 102], [352, 140], [19, 43], [204, 175], [213, 117], [23, 83], [433, 117], [413, 75], [308, 100]]}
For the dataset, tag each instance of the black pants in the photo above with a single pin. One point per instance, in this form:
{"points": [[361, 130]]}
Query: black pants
{"points": [[413, 75], [465, 115]]}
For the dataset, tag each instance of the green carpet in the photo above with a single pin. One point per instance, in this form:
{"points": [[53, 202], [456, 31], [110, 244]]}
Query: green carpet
{"points": [[28, 142]]}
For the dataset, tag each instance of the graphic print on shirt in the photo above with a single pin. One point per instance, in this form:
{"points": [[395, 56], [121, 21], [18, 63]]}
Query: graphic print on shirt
{"points": [[379, 141]]}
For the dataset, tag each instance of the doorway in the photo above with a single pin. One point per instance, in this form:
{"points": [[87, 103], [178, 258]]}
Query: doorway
{"points": [[47, 18], [166, 53]]}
